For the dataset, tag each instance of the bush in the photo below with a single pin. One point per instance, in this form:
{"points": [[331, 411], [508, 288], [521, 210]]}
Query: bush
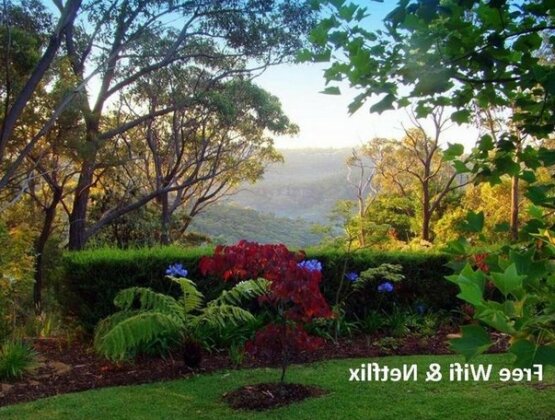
{"points": [[16, 358], [424, 281], [93, 278]]}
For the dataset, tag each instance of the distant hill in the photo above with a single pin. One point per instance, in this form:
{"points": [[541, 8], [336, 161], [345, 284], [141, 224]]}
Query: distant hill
{"points": [[307, 185], [228, 224]]}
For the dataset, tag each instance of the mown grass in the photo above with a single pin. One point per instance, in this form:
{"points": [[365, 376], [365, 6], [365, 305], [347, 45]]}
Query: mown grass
{"points": [[200, 396]]}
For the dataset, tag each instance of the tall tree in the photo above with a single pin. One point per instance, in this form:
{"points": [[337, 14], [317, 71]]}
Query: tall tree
{"points": [[136, 40], [415, 167], [30, 44]]}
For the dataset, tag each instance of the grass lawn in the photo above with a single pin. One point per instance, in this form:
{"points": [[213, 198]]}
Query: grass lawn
{"points": [[200, 397]]}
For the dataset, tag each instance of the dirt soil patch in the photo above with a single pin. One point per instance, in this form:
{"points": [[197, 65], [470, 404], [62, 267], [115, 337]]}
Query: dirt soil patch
{"points": [[265, 396]]}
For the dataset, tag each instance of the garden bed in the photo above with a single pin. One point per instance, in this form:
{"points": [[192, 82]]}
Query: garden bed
{"points": [[69, 367]]}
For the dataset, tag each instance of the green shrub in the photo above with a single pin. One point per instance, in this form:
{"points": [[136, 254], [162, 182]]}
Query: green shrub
{"points": [[93, 278], [16, 358]]}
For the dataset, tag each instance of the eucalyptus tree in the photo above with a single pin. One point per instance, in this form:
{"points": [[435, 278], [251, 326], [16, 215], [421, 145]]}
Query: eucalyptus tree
{"points": [[190, 158], [30, 42], [134, 40]]}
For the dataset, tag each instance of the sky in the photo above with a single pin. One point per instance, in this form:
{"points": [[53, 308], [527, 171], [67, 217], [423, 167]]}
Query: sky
{"points": [[324, 120]]}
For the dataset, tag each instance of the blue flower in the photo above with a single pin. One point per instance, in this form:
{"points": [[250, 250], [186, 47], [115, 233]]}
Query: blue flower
{"points": [[420, 309], [352, 277], [176, 270], [310, 265], [386, 287]]}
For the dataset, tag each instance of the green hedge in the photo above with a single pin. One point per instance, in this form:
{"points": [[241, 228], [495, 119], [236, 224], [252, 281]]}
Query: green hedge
{"points": [[92, 278], [424, 282]]}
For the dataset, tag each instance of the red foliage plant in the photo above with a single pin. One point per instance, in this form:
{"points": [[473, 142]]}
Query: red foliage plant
{"points": [[294, 294]]}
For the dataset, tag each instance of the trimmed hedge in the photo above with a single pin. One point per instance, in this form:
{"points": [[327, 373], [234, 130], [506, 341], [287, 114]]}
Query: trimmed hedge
{"points": [[92, 278], [424, 282]]}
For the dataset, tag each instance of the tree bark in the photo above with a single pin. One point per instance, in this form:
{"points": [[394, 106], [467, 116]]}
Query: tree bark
{"points": [[40, 245], [78, 216], [426, 213], [165, 220]]}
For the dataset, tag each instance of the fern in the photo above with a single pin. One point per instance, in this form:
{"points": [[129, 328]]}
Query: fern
{"points": [[148, 300], [221, 315], [243, 291], [192, 298], [147, 319], [136, 332]]}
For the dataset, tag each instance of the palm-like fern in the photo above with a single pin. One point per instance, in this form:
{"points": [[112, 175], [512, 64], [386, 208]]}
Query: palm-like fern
{"points": [[146, 318]]}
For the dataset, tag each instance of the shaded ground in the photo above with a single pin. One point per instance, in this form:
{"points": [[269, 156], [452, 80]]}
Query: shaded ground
{"points": [[69, 367], [265, 396]]}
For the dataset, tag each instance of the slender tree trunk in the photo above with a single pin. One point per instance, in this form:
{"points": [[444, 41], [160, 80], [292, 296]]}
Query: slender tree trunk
{"points": [[40, 245], [361, 217], [426, 214], [78, 216], [514, 208], [165, 220]]}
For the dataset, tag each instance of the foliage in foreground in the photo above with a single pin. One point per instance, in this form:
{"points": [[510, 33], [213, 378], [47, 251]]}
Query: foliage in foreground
{"points": [[154, 322]]}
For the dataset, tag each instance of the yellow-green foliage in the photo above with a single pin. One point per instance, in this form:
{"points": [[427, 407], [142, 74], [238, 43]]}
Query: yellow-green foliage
{"points": [[16, 274]]}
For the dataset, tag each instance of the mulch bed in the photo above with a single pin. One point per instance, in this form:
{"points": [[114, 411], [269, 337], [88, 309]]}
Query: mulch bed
{"points": [[265, 396], [70, 367]]}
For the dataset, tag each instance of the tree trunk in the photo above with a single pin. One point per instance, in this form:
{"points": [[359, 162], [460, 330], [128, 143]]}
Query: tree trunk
{"points": [[40, 245], [78, 216], [514, 208], [426, 213], [361, 217], [165, 220]]}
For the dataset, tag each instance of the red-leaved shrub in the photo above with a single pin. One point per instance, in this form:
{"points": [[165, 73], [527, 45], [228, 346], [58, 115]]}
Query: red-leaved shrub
{"points": [[294, 294]]}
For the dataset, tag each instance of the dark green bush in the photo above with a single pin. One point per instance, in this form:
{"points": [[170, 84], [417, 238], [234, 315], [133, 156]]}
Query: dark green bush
{"points": [[424, 282], [92, 278]]}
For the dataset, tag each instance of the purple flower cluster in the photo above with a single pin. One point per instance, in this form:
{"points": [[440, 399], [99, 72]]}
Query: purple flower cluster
{"points": [[310, 265], [386, 287], [176, 270], [352, 277]]}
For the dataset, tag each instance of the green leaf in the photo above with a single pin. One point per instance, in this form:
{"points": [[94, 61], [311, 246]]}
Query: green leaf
{"points": [[486, 143], [461, 117], [474, 222], [453, 151], [509, 281], [528, 176], [502, 227], [495, 317], [471, 284], [331, 90], [525, 353], [383, 105], [474, 341]]}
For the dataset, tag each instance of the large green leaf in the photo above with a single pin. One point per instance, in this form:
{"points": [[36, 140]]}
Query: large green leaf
{"points": [[474, 341], [509, 281]]}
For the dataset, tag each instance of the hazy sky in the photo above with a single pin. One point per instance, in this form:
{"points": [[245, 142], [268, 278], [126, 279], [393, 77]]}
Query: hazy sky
{"points": [[323, 119]]}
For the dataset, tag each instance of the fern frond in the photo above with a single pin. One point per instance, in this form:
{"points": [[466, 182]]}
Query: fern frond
{"points": [[220, 316], [109, 322], [148, 301], [243, 291], [128, 336], [192, 298]]}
